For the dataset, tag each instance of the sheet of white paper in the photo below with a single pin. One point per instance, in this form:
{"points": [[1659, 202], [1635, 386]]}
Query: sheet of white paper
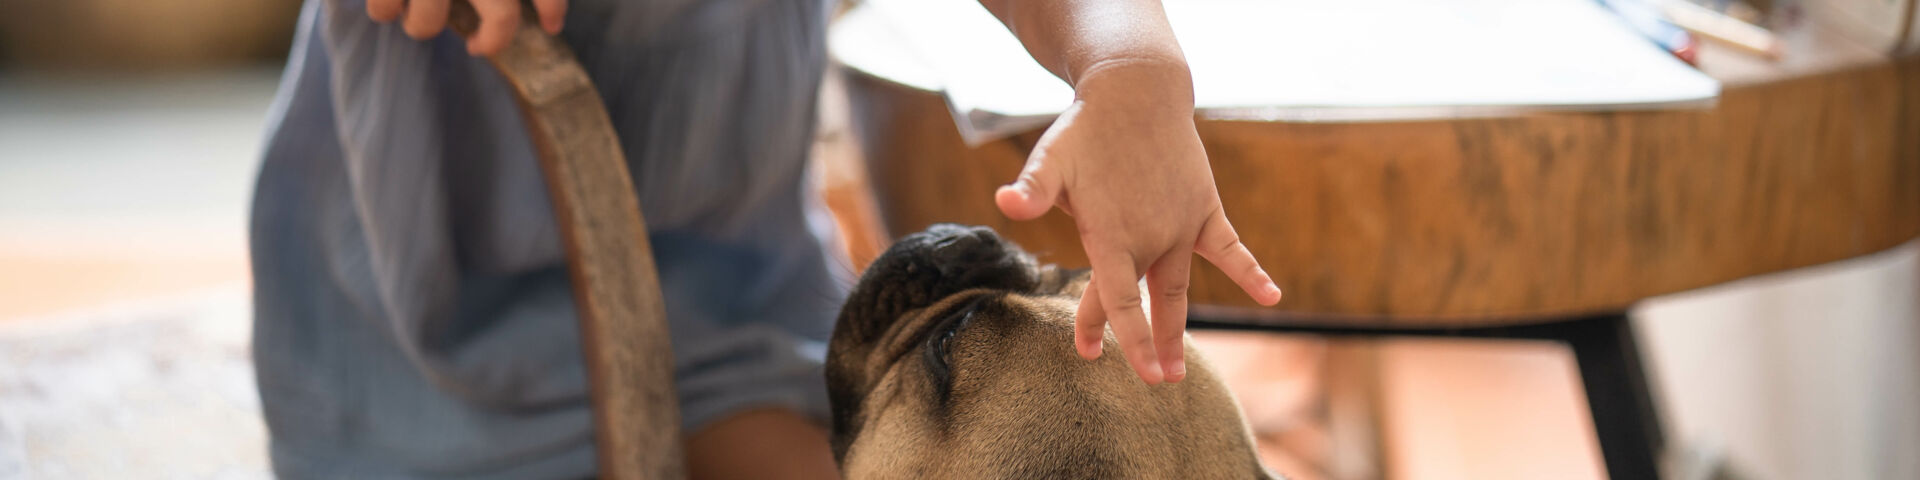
{"points": [[1303, 60]]}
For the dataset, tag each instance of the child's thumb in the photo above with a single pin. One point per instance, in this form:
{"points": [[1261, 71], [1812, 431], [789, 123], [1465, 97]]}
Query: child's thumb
{"points": [[1032, 194]]}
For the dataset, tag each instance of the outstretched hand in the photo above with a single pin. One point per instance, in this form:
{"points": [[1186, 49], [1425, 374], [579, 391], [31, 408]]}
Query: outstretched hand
{"points": [[424, 19], [1126, 163]]}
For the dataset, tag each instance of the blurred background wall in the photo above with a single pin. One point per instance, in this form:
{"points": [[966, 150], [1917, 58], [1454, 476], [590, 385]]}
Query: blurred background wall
{"points": [[124, 35]]}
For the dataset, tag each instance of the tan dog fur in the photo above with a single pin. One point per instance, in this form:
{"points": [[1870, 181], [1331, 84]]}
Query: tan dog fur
{"points": [[1005, 395]]}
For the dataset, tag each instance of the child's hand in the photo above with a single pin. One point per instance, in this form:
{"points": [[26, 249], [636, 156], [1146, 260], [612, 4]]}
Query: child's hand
{"points": [[1127, 164], [498, 19]]}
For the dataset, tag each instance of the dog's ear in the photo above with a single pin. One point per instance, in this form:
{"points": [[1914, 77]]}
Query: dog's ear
{"points": [[1062, 281]]}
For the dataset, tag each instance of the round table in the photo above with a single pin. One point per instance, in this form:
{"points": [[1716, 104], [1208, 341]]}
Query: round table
{"points": [[1544, 226]]}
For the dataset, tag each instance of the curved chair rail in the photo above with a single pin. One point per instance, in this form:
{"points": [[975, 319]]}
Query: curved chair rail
{"points": [[623, 327]]}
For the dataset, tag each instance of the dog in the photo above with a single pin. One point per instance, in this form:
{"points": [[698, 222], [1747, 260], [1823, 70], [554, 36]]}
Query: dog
{"points": [[953, 358]]}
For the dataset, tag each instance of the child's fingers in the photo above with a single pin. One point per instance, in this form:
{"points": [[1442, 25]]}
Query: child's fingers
{"points": [[1090, 323], [384, 11], [499, 19], [553, 14], [1219, 244], [1120, 299], [425, 18], [1167, 280]]}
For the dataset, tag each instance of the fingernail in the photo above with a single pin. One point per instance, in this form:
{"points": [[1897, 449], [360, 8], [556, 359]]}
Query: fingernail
{"points": [[1272, 291], [1177, 371]]}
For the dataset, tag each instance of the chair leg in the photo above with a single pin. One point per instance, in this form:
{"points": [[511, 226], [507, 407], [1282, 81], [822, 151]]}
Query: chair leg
{"points": [[1617, 396]]}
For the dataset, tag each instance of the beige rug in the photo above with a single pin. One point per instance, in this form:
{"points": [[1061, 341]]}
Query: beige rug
{"points": [[160, 389]]}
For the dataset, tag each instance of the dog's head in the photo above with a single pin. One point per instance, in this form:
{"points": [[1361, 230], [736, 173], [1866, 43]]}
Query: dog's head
{"points": [[954, 357]]}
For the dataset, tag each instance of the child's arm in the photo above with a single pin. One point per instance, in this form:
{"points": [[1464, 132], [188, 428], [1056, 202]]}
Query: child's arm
{"points": [[1125, 161], [425, 19]]}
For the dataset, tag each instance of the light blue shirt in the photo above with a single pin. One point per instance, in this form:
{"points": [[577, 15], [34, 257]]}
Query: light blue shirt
{"points": [[413, 317]]}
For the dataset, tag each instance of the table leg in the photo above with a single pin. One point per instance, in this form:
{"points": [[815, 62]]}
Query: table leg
{"points": [[1604, 346], [1617, 395]]}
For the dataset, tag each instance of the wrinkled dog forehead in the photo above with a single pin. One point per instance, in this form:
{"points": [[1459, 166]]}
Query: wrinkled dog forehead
{"points": [[916, 272], [1007, 396], [928, 266]]}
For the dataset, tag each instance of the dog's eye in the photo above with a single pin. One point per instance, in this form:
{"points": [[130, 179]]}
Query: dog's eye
{"points": [[936, 352], [951, 324], [946, 338]]}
